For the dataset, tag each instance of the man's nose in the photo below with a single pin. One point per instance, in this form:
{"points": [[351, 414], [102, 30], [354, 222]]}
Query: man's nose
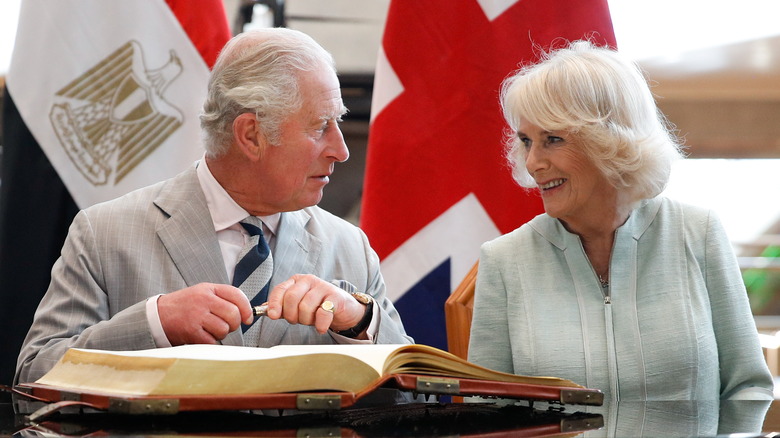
{"points": [[338, 149]]}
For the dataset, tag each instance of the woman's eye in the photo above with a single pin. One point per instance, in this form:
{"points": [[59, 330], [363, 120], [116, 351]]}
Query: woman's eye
{"points": [[554, 140], [526, 142]]}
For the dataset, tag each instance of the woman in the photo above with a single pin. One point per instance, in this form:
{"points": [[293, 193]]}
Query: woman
{"points": [[613, 287]]}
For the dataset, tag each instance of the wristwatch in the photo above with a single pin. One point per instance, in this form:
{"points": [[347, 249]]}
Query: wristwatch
{"points": [[358, 328]]}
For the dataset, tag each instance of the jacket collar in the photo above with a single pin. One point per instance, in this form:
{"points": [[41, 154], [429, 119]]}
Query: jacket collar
{"points": [[638, 222]]}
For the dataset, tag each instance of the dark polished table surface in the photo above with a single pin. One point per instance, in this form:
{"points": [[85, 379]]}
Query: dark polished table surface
{"points": [[629, 419]]}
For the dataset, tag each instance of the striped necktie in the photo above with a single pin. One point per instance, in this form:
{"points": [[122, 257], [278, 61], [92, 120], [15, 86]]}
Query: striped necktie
{"points": [[253, 272]]}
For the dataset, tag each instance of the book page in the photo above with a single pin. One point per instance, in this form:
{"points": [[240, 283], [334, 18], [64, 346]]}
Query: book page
{"points": [[219, 369], [204, 352], [212, 369], [372, 354]]}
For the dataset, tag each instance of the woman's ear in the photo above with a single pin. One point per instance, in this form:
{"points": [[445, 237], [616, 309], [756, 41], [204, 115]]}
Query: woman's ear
{"points": [[249, 139]]}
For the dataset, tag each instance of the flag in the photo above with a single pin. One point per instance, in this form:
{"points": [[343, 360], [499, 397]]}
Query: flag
{"points": [[436, 184], [102, 97]]}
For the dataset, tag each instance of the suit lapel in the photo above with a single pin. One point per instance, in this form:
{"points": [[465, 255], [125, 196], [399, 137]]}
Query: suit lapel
{"points": [[296, 250], [188, 235]]}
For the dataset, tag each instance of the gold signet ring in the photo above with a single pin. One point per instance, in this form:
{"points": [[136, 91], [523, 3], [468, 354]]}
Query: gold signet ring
{"points": [[327, 306]]}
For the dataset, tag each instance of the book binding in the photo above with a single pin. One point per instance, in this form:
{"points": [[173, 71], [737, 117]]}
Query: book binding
{"points": [[306, 401]]}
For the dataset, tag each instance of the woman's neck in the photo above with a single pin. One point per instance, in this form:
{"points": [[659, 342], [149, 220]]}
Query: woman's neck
{"points": [[598, 235]]}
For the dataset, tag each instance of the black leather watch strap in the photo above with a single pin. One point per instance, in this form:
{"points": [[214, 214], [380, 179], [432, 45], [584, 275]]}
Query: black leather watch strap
{"points": [[361, 325]]}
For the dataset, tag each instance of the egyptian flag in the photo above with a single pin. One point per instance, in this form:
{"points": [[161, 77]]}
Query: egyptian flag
{"points": [[437, 185], [102, 97]]}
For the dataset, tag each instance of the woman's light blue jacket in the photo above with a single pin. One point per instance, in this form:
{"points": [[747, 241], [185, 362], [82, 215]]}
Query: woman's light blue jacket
{"points": [[674, 324]]}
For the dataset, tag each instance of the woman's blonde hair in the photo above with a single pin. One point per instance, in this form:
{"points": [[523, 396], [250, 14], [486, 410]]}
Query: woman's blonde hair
{"points": [[601, 99]]}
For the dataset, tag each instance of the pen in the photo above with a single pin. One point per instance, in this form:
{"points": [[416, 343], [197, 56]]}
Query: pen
{"points": [[261, 310]]}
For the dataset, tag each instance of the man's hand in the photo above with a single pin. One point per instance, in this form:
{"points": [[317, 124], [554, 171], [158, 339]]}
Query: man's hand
{"points": [[299, 301], [203, 314]]}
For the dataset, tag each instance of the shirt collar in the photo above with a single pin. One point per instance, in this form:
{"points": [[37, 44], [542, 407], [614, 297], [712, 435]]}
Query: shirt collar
{"points": [[225, 212]]}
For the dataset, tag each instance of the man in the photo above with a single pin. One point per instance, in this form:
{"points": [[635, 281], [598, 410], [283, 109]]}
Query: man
{"points": [[153, 268]]}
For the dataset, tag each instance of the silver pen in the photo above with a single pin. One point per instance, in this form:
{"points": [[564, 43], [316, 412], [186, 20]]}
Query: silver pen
{"points": [[261, 310]]}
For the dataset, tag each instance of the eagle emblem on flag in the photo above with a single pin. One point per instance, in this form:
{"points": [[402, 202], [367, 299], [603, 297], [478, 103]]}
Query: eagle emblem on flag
{"points": [[113, 116]]}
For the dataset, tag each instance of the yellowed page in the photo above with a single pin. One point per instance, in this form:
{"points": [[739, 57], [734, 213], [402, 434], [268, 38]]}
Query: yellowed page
{"points": [[294, 373], [209, 369], [209, 352], [218, 369], [423, 359], [100, 377], [374, 355]]}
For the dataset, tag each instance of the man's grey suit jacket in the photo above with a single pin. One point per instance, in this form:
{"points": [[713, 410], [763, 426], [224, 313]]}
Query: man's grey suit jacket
{"points": [[161, 239]]}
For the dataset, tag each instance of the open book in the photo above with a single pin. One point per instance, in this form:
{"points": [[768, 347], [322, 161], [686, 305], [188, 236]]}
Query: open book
{"points": [[304, 377], [220, 369]]}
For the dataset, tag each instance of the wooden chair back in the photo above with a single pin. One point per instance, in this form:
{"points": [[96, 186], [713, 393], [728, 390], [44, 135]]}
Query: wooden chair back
{"points": [[458, 310]]}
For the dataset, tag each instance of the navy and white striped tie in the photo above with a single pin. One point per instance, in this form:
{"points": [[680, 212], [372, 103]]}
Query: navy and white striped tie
{"points": [[253, 273]]}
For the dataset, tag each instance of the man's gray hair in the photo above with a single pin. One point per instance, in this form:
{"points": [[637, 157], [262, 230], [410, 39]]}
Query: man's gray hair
{"points": [[258, 72]]}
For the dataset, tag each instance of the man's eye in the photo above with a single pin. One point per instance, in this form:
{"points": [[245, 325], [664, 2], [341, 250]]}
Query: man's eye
{"points": [[328, 123]]}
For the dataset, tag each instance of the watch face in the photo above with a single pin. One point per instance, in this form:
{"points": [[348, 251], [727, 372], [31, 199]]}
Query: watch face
{"points": [[363, 298]]}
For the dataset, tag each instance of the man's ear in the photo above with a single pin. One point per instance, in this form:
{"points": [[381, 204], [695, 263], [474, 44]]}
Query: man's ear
{"points": [[248, 137]]}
